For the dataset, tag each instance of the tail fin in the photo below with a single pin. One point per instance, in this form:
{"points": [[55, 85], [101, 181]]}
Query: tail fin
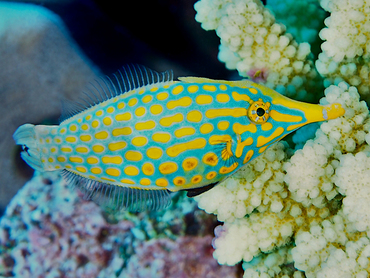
{"points": [[25, 136]]}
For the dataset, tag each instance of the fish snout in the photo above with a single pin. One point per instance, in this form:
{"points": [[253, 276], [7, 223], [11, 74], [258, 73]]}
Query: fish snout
{"points": [[332, 111]]}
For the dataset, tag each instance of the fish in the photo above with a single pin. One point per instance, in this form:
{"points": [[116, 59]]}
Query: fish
{"points": [[138, 135]]}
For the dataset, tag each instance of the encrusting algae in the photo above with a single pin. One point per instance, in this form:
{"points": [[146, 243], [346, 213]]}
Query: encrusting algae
{"points": [[142, 135]]}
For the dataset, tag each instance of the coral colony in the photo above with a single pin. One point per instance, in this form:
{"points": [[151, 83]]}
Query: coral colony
{"points": [[303, 213], [301, 209]]}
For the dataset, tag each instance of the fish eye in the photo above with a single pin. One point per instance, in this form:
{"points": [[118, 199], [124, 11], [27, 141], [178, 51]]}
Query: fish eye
{"points": [[258, 112]]}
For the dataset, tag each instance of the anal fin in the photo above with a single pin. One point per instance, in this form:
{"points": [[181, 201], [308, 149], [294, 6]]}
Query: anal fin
{"points": [[119, 198]]}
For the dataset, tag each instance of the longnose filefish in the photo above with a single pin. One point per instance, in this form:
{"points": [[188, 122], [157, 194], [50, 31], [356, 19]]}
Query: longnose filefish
{"points": [[142, 135]]}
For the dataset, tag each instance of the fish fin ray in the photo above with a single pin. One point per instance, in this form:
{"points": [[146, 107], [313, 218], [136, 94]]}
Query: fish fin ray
{"points": [[129, 78], [118, 197]]}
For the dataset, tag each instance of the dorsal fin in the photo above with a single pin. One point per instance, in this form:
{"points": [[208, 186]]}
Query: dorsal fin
{"points": [[128, 78], [192, 79], [118, 197]]}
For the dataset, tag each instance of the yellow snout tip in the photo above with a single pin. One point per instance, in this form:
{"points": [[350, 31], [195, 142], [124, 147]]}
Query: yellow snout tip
{"points": [[332, 111]]}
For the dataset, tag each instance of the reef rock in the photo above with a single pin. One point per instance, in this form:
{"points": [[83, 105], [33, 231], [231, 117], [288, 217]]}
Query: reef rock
{"points": [[40, 65]]}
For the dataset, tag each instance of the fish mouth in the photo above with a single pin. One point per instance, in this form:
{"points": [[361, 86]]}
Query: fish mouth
{"points": [[332, 111], [319, 113]]}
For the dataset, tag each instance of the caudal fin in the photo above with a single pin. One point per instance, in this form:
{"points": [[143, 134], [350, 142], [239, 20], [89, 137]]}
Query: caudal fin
{"points": [[25, 136]]}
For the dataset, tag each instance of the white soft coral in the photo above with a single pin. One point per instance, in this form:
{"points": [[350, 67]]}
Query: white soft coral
{"points": [[317, 200], [353, 180], [257, 46], [346, 48]]}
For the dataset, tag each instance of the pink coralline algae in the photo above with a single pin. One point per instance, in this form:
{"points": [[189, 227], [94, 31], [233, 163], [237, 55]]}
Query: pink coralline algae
{"points": [[49, 231], [258, 75], [184, 258]]}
